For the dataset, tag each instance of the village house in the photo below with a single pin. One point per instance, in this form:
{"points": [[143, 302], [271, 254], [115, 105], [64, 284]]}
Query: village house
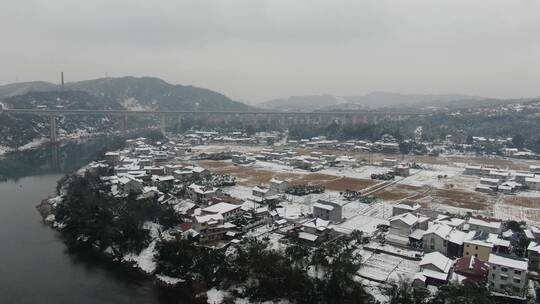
{"points": [[533, 183], [520, 177], [404, 207], [112, 158], [471, 269], [128, 184], [486, 225], [201, 194], [313, 231], [533, 254], [476, 170], [444, 239], [183, 175], [402, 170], [261, 193], [508, 275], [402, 226], [226, 210], [211, 227], [389, 162], [435, 269], [534, 169], [279, 186], [327, 210], [481, 244]]}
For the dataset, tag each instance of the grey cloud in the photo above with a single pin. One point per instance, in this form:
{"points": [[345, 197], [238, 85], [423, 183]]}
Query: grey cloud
{"points": [[256, 50]]}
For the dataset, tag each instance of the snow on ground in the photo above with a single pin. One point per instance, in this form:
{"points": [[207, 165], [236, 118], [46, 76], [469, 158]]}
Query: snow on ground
{"points": [[4, 150], [380, 209], [382, 267], [145, 259], [528, 193], [238, 191], [215, 296], [278, 167], [221, 148], [366, 224], [507, 212], [363, 172], [169, 280], [36, 142]]}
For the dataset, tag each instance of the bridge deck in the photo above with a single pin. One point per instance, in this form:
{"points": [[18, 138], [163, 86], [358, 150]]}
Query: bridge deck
{"points": [[48, 112]]}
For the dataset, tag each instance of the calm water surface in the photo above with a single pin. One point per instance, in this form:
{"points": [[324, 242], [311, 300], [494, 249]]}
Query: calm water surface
{"points": [[35, 266]]}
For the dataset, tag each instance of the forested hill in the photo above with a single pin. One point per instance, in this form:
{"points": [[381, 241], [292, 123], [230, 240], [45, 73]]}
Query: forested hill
{"points": [[137, 93], [20, 130]]}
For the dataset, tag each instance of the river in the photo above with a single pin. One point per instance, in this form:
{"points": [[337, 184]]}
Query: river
{"points": [[35, 266]]}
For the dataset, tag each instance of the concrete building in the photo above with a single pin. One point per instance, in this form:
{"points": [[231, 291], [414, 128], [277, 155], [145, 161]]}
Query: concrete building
{"points": [[435, 269], [444, 239], [279, 186], [481, 244], [533, 183], [327, 210], [201, 194], [508, 275], [485, 225]]}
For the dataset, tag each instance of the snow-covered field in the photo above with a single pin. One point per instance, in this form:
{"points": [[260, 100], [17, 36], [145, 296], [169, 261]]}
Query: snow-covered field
{"points": [[222, 148], [382, 267]]}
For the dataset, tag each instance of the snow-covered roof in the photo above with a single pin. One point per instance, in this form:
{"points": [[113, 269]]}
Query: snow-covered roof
{"points": [[323, 206], [480, 222], [202, 189], [438, 260], [317, 223], [417, 234], [221, 208], [277, 181], [507, 261], [407, 218], [534, 246], [209, 218], [307, 236]]}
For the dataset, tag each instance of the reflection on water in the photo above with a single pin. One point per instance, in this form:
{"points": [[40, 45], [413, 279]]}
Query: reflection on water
{"points": [[35, 265], [64, 158]]}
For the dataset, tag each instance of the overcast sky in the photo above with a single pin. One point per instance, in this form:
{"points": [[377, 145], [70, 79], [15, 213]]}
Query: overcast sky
{"points": [[255, 50]]}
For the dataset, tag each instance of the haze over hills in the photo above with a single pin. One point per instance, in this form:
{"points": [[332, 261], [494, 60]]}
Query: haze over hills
{"points": [[131, 93], [369, 101], [137, 93]]}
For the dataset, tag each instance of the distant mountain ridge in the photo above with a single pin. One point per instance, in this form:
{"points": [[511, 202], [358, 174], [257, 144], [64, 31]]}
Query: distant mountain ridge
{"points": [[370, 101], [137, 93]]}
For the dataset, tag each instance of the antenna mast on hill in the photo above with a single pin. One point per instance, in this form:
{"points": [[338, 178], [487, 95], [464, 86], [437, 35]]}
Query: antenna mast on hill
{"points": [[62, 79]]}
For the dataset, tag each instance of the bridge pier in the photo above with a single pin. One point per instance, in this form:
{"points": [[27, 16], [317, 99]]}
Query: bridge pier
{"points": [[179, 123], [162, 125], [52, 129], [123, 125]]}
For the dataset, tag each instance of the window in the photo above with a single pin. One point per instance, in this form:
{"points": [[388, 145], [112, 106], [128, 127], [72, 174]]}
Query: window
{"points": [[517, 271], [466, 253], [476, 248], [494, 267], [503, 278], [517, 280], [467, 245], [503, 269]]}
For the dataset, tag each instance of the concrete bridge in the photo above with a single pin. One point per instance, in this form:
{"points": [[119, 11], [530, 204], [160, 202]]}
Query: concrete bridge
{"points": [[253, 117]]}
